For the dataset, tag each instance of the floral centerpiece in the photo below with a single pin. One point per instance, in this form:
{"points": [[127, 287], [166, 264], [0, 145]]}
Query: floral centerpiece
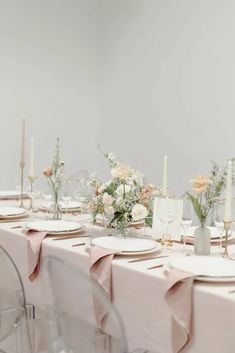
{"points": [[54, 175], [207, 195], [123, 199]]}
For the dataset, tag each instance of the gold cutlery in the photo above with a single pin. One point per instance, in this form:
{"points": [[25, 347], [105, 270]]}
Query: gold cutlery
{"points": [[79, 244], [15, 227], [148, 258], [72, 237], [156, 266]]}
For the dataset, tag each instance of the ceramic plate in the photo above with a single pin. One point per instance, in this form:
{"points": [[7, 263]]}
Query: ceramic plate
{"points": [[11, 212], [54, 227], [71, 205], [214, 232], [125, 245], [11, 194], [205, 268]]}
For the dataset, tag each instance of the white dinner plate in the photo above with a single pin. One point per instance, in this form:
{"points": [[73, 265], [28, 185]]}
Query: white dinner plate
{"points": [[213, 230], [11, 212], [11, 194], [71, 205], [126, 245], [205, 268], [54, 226]]}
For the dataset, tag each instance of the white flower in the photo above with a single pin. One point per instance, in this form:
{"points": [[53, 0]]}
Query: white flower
{"points": [[111, 156], [119, 201], [138, 178], [109, 211], [101, 188], [122, 172], [139, 212], [123, 189], [107, 199]]}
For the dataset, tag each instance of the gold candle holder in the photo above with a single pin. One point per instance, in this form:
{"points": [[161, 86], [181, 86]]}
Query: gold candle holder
{"points": [[22, 165], [227, 226], [31, 180]]}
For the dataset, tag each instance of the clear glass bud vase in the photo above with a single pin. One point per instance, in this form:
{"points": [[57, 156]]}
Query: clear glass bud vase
{"points": [[202, 240], [56, 208], [122, 228]]}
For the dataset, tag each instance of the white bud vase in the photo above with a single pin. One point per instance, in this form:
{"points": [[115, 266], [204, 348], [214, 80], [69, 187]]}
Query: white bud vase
{"points": [[202, 240]]}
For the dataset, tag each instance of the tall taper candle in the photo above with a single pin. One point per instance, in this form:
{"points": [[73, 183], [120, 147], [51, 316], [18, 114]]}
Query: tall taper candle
{"points": [[164, 178], [22, 154], [31, 168], [228, 194]]}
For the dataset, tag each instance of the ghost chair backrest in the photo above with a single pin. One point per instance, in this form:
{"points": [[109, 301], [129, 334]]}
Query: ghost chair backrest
{"points": [[13, 328], [71, 294]]}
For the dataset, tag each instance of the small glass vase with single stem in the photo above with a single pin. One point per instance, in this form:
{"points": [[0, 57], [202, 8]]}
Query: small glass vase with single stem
{"points": [[219, 223], [47, 202], [187, 218]]}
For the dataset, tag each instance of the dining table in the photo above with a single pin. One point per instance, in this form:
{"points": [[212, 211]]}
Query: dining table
{"points": [[138, 287]]}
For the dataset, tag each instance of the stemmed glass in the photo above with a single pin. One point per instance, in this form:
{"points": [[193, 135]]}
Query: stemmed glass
{"points": [[187, 218], [166, 214], [219, 223], [47, 201], [66, 197]]}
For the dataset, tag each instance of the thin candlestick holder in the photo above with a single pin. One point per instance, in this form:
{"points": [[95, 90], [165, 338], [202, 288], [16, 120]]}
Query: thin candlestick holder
{"points": [[22, 165], [31, 180], [227, 226]]}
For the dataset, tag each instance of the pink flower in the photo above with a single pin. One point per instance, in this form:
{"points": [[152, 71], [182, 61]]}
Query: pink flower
{"points": [[48, 172], [200, 184]]}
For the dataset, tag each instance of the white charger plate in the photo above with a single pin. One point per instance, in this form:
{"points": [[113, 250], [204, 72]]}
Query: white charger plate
{"points": [[54, 226], [126, 246], [11, 194], [71, 205], [215, 235], [12, 212], [205, 268]]}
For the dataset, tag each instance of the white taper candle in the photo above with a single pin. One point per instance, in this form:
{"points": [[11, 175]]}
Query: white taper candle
{"points": [[164, 177], [31, 170], [22, 152], [228, 194]]}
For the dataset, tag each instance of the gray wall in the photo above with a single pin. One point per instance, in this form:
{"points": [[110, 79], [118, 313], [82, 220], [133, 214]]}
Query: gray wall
{"points": [[143, 78]]}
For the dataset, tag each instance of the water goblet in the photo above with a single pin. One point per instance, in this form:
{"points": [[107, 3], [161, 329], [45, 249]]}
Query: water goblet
{"points": [[166, 214], [47, 202], [219, 223], [187, 218]]}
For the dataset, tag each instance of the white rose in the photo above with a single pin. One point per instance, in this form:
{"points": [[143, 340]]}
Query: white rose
{"points": [[109, 211], [139, 212], [122, 172], [121, 189], [107, 199]]}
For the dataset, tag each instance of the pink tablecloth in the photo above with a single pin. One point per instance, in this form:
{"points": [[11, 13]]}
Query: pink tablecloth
{"points": [[139, 296]]}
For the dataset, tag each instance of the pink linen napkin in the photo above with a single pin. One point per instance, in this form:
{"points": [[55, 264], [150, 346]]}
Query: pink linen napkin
{"points": [[179, 297], [101, 271], [34, 245]]}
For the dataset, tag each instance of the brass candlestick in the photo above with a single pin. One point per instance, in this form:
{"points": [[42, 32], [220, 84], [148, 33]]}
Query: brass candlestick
{"points": [[227, 226], [22, 165], [32, 179]]}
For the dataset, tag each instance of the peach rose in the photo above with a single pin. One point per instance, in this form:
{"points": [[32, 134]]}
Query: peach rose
{"points": [[200, 184], [48, 172], [122, 172]]}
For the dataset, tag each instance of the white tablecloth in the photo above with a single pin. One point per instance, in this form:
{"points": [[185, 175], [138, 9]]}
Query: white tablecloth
{"points": [[138, 294]]}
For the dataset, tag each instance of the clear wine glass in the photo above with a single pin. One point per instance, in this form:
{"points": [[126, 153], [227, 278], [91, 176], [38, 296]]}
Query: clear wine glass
{"points": [[166, 214], [219, 223], [47, 202], [187, 218], [66, 196]]}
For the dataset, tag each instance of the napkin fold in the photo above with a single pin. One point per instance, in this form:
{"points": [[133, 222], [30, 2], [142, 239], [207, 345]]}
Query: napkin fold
{"points": [[34, 245], [179, 297], [100, 261]]}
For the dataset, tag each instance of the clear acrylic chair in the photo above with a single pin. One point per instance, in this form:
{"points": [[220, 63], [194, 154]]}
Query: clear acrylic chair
{"points": [[72, 324], [14, 333]]}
